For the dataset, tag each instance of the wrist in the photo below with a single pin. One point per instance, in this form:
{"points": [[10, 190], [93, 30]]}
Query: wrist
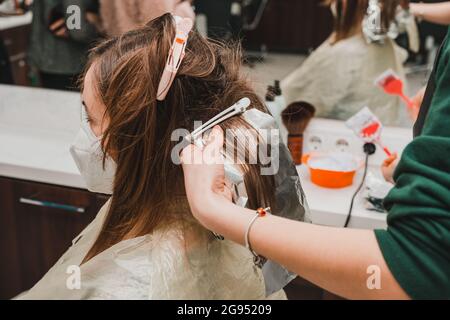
{"points": [[206, 206], [223, 217], [417, 10]]}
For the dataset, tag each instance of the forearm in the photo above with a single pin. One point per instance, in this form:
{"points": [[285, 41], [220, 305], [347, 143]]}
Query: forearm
{"points": [[338, 260], [438, 13], [334, 259]]}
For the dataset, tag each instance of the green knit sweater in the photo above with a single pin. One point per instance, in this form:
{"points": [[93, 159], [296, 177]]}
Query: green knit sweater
{"points": [[416, 245]]}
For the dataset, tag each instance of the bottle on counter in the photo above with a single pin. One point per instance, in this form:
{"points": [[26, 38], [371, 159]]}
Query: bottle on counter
{"points": [[279, 98], [271, 105]]}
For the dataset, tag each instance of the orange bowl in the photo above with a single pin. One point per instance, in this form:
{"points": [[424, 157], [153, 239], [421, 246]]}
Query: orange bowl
{"points": [[330, 179]]}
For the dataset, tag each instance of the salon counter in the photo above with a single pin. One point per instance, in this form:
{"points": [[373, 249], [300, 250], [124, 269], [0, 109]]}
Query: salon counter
{"points": [[330, 207], [36, 129]]}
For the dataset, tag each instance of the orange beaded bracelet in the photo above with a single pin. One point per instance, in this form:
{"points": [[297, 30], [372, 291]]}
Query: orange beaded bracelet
{"points": [[260, 213]]}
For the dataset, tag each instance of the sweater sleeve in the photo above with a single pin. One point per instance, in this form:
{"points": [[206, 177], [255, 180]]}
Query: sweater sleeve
{"points": [[416, 245]]}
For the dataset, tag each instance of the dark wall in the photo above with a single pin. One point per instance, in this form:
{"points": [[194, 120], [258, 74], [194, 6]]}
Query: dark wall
{"points": [[219, 14], [292, 26]]}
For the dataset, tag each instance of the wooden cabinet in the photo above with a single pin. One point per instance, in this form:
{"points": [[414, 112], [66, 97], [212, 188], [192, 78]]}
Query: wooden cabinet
{"points": [[292, 26], [16, 41], [10, 283], [37, 225], [300, 289]]}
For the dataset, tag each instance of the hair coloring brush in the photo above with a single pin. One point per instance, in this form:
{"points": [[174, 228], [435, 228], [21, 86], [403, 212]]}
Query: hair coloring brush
{"points": [[368, 127], [392, 84]]}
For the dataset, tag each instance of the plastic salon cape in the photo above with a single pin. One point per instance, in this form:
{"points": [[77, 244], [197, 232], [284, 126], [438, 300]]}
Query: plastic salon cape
{"points": [[168, 264], [338, 79]]}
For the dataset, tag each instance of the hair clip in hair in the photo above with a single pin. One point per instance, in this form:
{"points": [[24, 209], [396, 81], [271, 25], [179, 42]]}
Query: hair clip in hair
{"points": [[176, 56], [238, 108]]}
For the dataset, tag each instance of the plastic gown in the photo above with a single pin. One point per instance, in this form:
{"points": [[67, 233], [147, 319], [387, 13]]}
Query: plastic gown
{"points": [[338, 79], [168, 264]]}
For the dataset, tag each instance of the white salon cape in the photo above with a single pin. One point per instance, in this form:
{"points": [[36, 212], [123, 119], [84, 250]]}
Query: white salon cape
{"points": [[338, 79], [167, 264]]}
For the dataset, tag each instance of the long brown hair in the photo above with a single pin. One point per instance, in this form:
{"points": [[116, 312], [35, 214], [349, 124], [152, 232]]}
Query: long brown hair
{"points": [[350, 14], [127, 70]]}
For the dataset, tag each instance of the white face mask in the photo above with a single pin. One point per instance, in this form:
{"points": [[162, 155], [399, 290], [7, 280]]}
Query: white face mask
{"points": [[88, 156]]}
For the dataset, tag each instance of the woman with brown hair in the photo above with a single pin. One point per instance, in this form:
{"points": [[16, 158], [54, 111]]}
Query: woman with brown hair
{"points": [[144, 243], [338, 77]]}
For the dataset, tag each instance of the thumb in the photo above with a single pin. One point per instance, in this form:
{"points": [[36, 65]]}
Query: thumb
{"points": [[391, 160]]}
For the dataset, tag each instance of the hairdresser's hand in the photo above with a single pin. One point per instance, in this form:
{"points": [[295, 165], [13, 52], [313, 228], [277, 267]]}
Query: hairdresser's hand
{"points": [[417, 102], [204, 175], [59, 29], [388, 168], [418, 98]]}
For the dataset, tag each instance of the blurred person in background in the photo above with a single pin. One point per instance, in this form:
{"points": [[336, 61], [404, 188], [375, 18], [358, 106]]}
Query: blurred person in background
{"points": [[57, 51], [120, 16], [338, 78]]}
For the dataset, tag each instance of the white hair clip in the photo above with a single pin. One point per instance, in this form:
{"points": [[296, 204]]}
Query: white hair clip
{"points": [[238, 108], [176, 56]]}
